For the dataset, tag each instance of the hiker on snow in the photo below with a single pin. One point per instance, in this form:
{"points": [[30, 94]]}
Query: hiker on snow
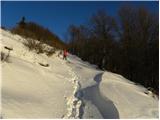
{"points": [[65, 54]]}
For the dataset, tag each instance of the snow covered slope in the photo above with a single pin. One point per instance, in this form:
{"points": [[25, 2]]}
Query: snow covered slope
{"points": [[30, 90], [129, 99], [74, 89], [109, 95]]}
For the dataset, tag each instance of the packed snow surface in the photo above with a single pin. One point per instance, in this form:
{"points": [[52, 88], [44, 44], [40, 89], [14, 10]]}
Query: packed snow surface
{"points": [[66, 89]]}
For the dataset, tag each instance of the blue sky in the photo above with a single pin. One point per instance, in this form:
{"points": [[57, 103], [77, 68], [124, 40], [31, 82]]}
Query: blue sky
{"points": [[57, 16]]}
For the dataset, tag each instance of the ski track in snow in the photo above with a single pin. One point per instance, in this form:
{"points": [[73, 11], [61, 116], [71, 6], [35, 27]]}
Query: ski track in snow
{"points": [[74, 103]]}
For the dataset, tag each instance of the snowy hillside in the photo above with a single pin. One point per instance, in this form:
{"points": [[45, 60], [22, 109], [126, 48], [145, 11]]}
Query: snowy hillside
{"points": [[66, 89]]}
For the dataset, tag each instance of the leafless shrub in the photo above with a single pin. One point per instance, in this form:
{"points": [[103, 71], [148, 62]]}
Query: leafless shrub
{"points": [[40, 48], [50, 52], [4, 57], [32, 44]]}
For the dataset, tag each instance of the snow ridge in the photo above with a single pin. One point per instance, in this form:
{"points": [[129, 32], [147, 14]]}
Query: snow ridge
{"points": [[73, 103]]}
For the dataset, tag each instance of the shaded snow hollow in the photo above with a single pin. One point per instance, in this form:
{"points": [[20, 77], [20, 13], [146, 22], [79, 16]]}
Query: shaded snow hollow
{"points": [[66, 89]]}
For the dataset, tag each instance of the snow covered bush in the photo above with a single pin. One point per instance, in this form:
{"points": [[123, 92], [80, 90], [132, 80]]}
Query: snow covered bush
{"points": [[50, 52], [37, 32], [32, 44], [4, 57]]}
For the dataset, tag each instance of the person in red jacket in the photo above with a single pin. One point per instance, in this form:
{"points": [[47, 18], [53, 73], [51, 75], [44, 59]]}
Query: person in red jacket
{"points": [[65, 54]]}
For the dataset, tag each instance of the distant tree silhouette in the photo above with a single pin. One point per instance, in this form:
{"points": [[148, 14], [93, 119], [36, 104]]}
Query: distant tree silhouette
{"points": [[130, 48], [138, 26], [22, 22]]}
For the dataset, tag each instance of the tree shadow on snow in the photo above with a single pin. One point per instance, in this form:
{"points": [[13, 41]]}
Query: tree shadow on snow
{"points": [[104, 105]]}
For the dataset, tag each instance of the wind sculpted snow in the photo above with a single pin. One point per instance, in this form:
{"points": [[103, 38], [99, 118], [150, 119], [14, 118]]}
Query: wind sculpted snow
{"points": [[109, 95], [129, 99], [105, 106]]}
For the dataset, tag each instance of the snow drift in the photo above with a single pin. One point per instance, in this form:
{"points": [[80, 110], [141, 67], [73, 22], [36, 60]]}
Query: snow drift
{"points": [[130, 100]]}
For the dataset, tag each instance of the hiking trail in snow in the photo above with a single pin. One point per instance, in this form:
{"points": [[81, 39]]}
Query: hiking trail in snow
{"points": [[74, 103]]}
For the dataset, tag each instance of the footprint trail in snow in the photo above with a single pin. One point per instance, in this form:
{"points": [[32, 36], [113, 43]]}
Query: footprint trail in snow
{"points": [[73, 102]]}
